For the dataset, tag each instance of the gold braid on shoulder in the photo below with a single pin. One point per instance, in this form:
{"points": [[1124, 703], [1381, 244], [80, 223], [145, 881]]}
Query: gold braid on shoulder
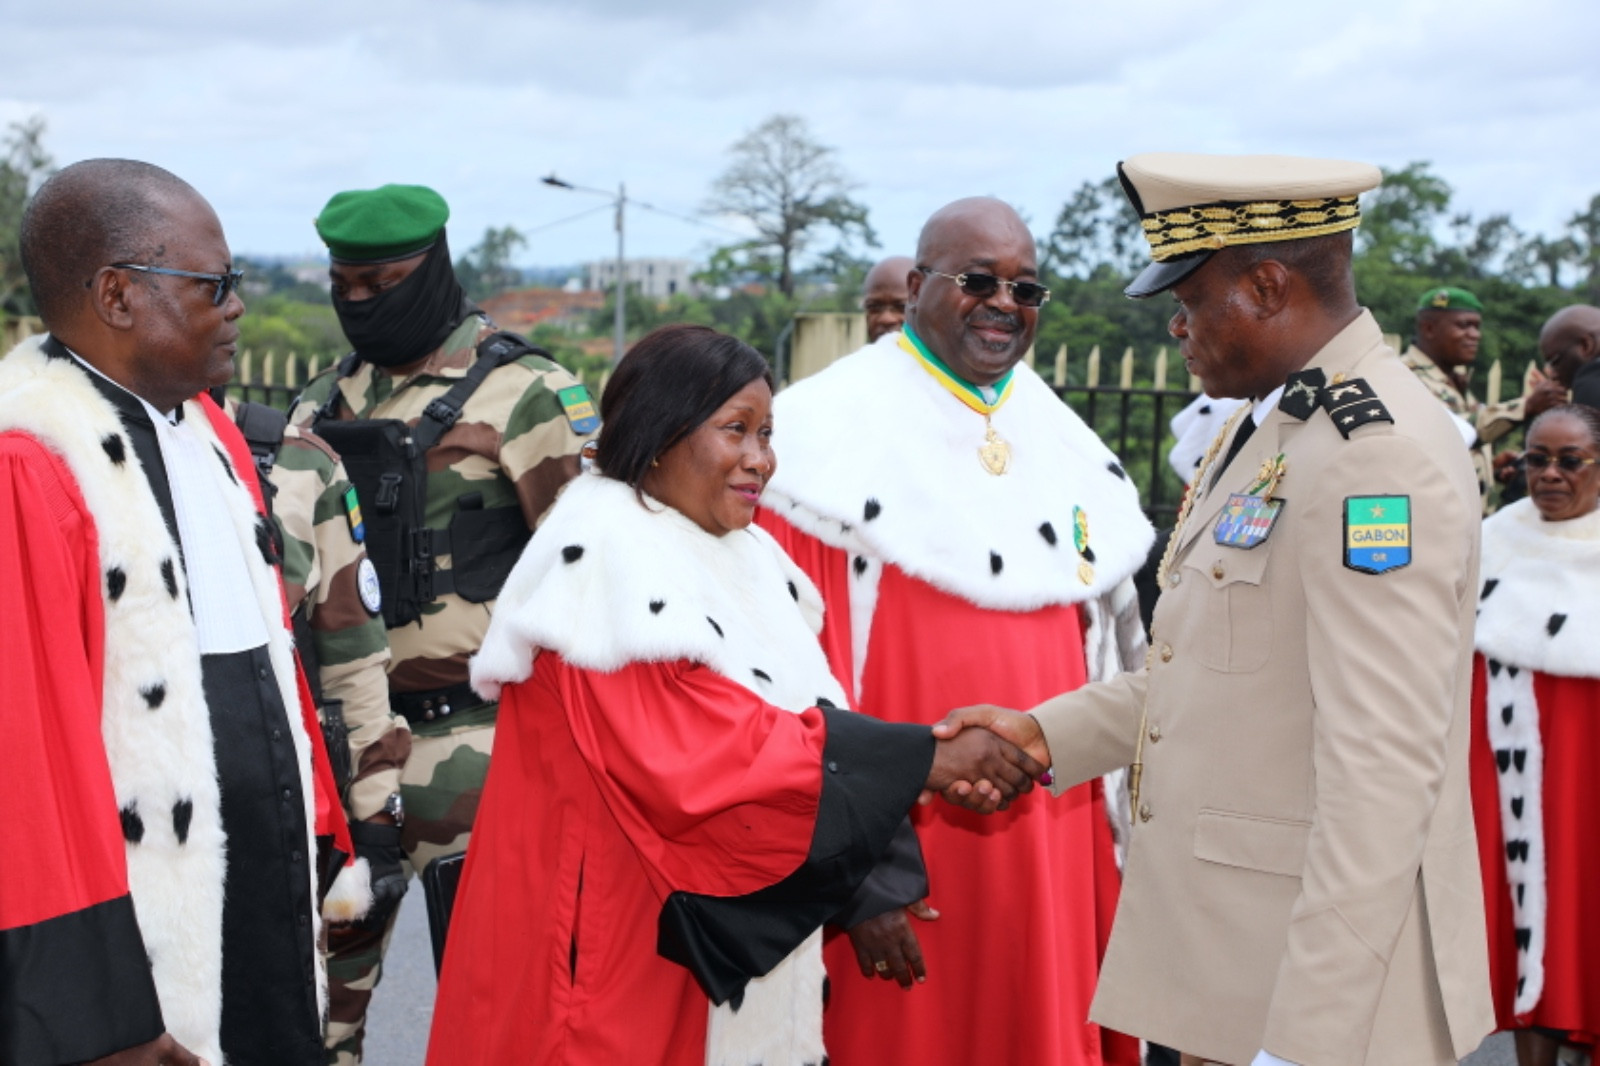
{"points": [[1196, 487]]}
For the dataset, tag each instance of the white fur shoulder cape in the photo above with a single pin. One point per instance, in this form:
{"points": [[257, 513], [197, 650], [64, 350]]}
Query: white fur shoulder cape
{"points": [[154, 718], [611, 579], [1540, 593], [874, 454]]}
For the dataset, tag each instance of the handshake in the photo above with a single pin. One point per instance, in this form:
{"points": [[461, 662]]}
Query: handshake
{"points": [[985, 757]]}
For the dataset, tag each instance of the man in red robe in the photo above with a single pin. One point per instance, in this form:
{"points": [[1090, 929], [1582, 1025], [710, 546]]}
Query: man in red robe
{"points": [[171, 792], [968, 533]]}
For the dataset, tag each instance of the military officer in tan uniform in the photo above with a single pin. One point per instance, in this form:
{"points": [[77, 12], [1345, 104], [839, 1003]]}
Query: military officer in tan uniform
{"points": [[1448, 328], [1302, 883]]}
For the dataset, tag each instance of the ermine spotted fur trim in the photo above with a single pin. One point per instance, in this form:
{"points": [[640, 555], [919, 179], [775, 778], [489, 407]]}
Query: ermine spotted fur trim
{"points": [[877, 459], [1538, 610], [872, 447], [612, 579], [155, 721]]}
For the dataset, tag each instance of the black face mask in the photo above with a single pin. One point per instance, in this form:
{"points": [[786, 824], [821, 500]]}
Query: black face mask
{"points": [[407, 322]]}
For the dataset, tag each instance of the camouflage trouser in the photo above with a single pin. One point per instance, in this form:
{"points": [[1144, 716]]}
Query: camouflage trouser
{"points": [[440, 788]]}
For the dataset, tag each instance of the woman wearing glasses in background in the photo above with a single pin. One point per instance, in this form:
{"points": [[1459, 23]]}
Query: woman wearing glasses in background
{"points": [[1536, 741]]}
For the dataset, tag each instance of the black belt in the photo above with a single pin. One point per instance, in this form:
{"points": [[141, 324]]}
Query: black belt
{"points": [[419, 707]]}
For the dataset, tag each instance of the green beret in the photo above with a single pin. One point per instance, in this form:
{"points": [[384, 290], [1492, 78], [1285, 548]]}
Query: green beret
{"points": [[1449, 298], [383, 224]]}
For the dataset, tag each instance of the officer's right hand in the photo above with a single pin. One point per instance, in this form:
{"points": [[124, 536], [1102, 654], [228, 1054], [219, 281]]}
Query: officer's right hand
{"points": [[162, 1051], [379, 844]]}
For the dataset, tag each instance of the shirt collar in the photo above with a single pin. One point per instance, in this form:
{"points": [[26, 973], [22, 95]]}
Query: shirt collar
{"points": [[1263, 407]]}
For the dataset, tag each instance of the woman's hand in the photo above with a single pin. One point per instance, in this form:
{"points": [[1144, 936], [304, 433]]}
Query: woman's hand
{"points": [[887, 947]]}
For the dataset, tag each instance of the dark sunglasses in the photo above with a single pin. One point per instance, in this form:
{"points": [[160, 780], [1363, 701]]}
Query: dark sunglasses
{"points": [[983, 286], [226, 283], [1569, 464]]}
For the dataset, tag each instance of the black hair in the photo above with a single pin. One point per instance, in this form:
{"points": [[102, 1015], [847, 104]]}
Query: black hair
{"points": [[1323, 261], [672, 380], [1582, 412], [90, 215]]}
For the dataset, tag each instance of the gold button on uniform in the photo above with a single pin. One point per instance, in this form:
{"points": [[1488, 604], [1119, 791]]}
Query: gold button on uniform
{"points": [[1155, 734], [1144, 812], [1217, 571], [1166, 653]]}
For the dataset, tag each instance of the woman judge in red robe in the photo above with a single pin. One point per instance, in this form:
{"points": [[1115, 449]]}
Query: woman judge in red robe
{"points": [[1536, 741], [678, 800]]}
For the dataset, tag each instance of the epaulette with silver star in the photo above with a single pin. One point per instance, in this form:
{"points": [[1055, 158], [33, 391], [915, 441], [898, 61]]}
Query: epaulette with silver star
{"points": [[1352, 404]]}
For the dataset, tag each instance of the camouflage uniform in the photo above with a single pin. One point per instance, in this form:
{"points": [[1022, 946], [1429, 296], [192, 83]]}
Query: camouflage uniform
{"points": [[1491, 420], [320, 561], [514, 445]]}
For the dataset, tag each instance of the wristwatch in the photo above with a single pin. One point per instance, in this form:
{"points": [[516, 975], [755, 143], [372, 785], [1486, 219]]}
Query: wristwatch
{"points": [[395, 809]]}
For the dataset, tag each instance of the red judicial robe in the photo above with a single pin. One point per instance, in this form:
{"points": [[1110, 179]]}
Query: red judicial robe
{"points": [[1535, 750], [93, 746], [1046, 864], [948, 585], [1569, 727], [670, 814], [608, 793]]}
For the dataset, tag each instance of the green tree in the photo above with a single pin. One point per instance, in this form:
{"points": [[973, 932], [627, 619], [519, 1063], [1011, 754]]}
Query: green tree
{"points": [[791, 189], [24, 165], [1096, 227], [1584, 241], [1400, 218], [486, 268]]}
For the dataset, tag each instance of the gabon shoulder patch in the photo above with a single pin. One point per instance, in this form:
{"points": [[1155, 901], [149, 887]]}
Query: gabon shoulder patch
{"points": [[1377, 533], [579, 408]]}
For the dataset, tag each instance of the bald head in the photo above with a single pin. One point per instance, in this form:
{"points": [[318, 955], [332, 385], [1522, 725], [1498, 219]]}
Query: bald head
{"points": [[884, 294], [958, 224], [1570, 339], [87, 216]]}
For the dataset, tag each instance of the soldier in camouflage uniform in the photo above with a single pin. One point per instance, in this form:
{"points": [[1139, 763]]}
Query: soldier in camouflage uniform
{"points": [[332, 584], [515, 444], [1448, 328]]}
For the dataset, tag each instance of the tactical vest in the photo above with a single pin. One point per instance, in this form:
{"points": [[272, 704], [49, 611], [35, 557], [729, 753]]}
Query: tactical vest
{"points": [[387, 462]]}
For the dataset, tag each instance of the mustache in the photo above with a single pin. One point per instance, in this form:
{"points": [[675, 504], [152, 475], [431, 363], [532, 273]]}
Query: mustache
{"points": [[996, 318]]}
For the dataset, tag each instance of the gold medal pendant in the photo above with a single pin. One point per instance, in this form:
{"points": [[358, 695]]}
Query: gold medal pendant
{"points": [[994, 454]]}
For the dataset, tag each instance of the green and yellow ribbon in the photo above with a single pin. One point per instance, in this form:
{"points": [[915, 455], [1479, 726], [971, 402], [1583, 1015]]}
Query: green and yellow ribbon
{"points": [[962, 390]]}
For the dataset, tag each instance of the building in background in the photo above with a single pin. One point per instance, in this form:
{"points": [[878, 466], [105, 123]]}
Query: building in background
{"points": [[657, 278]]}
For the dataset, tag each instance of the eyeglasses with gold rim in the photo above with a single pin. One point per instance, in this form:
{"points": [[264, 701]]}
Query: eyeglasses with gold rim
{"points": [[1539, 462], [983, 286]]}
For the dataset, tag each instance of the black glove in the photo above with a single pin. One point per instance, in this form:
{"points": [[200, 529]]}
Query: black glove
{"points": [[380, 846]]}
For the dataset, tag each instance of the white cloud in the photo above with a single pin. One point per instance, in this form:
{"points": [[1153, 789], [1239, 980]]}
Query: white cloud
{"points": [[269, 109]]}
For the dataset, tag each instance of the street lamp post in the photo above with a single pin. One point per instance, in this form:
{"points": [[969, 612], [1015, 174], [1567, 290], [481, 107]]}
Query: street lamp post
{"points": [[621, 201]]}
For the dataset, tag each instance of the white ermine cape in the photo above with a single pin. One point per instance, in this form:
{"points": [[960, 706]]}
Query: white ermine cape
{"points": [[1539, 609], [614, 578], [159, 747]]}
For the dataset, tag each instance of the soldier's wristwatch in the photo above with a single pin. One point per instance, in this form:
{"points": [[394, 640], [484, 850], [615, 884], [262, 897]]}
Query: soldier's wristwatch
{"points": [[395, 809]]}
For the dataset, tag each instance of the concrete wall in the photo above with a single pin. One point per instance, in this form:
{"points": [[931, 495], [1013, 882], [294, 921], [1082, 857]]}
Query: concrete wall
{"points": [[820, 337]]}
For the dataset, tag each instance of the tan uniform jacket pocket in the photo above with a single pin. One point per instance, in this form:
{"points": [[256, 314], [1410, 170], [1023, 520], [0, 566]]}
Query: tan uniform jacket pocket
{"points": [[1235, 636], [1272, 845]]}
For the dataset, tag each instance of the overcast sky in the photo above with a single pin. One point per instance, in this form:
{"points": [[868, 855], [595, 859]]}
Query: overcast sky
{"points": [[269, 108]]}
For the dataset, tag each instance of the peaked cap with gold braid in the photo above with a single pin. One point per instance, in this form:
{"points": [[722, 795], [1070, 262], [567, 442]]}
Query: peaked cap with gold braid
{"points": [[1191, 206]]}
